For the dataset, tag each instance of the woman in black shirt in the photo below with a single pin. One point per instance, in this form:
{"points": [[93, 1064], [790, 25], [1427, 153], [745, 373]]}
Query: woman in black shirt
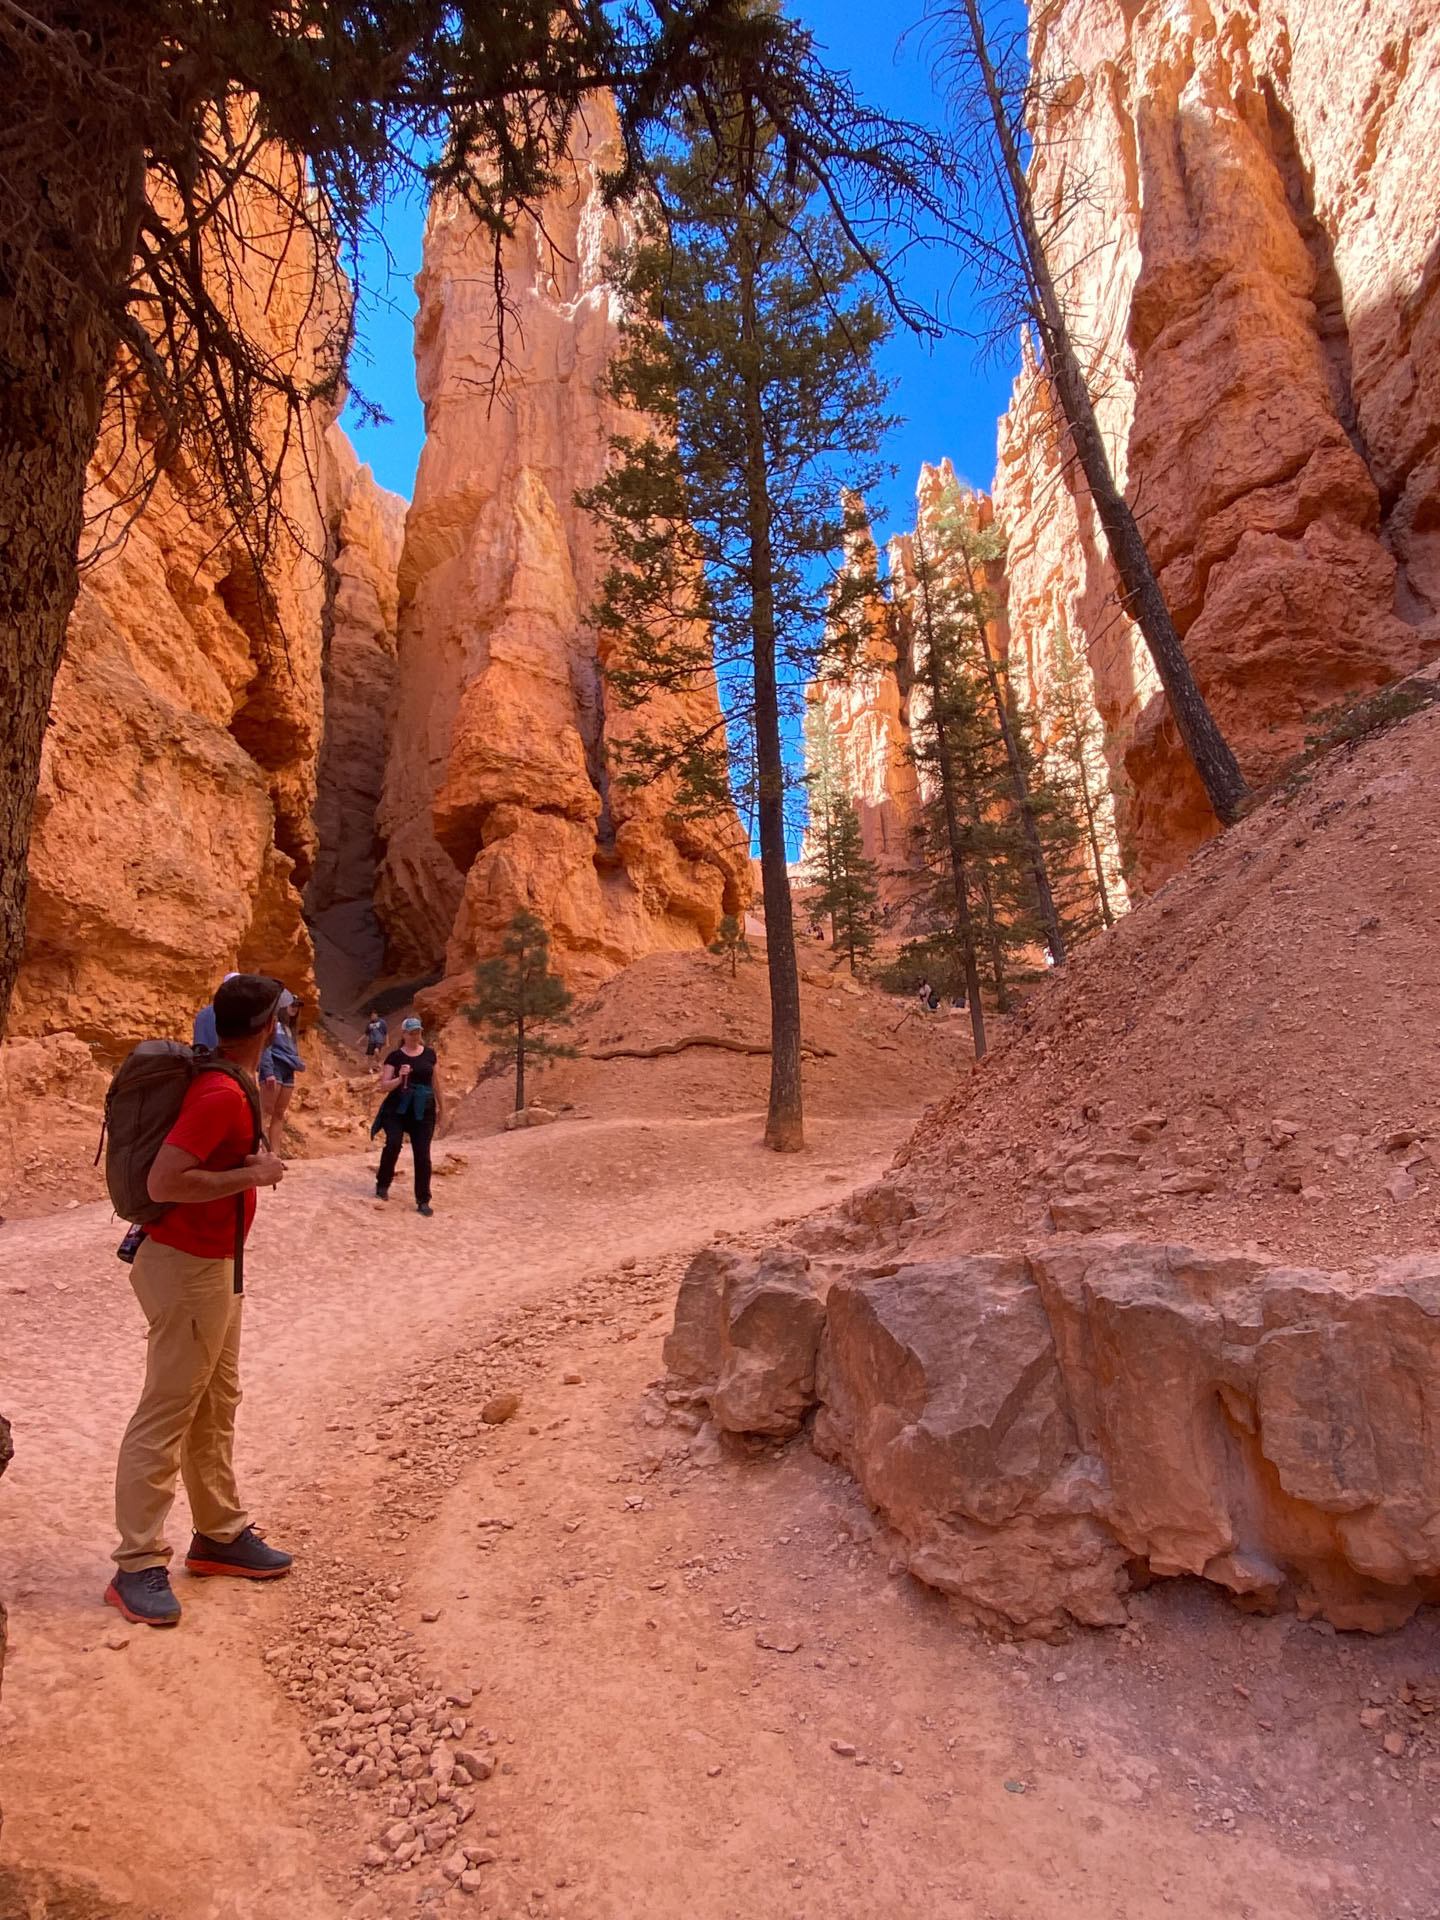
{"points": [[413, 1105]]}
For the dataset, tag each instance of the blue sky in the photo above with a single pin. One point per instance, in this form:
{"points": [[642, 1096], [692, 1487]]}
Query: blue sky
{"points": [[950, 405]]}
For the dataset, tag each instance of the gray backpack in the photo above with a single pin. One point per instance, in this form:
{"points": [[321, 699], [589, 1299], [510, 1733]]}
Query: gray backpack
{"points": [[142, 1106]]}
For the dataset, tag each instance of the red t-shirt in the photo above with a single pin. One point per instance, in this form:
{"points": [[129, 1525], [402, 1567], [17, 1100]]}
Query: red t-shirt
{"points": [[216, 1125]]}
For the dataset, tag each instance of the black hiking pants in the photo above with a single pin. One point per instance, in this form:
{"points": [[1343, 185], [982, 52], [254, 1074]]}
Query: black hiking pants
{"points": [[421, 1132]]}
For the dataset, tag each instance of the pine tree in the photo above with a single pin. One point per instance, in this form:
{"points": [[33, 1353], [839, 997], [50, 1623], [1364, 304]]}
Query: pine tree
{"points": [[1003, 231], [845, 892], [842, 879], [950, 743], [730, 942], [516, 994], [1076, 761], [964, 549], [749, 347]]}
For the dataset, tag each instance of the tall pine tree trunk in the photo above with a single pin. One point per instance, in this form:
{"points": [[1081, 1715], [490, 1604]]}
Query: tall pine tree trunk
{"points": [[519, 1061], [785, 1122], [1140, 593], [964, 920], [1044, 897], [56, 343], [1092, 831]]}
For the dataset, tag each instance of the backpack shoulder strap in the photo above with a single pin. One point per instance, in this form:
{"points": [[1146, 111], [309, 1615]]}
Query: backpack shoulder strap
{"points": [[217, 1063]]}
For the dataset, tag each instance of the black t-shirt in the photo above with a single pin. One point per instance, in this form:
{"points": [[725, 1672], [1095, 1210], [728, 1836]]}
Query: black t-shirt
{"points": [[421, 1065]]}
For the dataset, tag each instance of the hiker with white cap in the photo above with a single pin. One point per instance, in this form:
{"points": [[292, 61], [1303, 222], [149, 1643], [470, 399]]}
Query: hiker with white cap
{"points": [[283, 1059], [413, 1105]]}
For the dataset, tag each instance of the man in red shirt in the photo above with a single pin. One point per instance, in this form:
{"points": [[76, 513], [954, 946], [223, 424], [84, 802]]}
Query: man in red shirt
{"points": [[184, 1279]]}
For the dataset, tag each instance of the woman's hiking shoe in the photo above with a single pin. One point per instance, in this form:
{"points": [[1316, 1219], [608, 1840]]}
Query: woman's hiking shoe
{"points": [[146, 1598], [427, 1210], [246, 1556], [382, 1193]]}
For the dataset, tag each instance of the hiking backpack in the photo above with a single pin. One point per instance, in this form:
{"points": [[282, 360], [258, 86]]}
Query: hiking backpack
{"points": [[141, 1107]]}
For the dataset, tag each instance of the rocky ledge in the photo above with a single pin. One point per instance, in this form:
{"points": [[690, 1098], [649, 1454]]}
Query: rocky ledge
{"points": [[1046, 1430]]}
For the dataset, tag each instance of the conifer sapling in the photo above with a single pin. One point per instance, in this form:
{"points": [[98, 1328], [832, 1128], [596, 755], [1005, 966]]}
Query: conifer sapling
{"points": [[516, 996], [730, 942]]}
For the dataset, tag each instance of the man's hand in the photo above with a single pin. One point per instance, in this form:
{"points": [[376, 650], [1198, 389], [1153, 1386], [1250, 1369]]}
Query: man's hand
{"points": [[267, 1168]]}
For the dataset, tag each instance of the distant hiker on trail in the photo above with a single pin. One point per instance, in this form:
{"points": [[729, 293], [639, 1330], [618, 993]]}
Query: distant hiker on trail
{"points": [[376, 1034], [285, 1063], [206, 1174], [413, 1105], [924, 993]]}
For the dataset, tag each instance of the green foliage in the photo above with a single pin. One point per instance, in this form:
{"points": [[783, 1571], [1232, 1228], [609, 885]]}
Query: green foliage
{"points": [[730, 942], [516, 994], [934, 957], [1078, 776], [749, 350], [1347, 724], [733, 301], [842, 880]]}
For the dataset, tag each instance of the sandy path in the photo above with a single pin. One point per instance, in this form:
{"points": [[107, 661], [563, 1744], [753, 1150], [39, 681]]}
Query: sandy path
{"points": [[655, 1759], [346, 1298]]}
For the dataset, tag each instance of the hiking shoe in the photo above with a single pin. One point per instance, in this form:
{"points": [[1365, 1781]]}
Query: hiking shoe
{"points": [[382, 1193], [426, 1209], [246, 1556], [146, 1598]]}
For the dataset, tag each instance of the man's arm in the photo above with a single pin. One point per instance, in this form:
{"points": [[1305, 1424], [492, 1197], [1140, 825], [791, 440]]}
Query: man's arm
{"points": [[177, 1177]]}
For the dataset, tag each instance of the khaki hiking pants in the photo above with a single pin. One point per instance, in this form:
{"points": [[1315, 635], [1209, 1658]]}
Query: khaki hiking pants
{"points": [[185, 1421]]}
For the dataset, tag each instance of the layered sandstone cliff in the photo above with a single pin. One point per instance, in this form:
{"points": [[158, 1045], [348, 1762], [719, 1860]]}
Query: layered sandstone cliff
{"points": [[499, 790], [863, 716], [177, 824], [1248, 248], [367, 534], [173, 829]]}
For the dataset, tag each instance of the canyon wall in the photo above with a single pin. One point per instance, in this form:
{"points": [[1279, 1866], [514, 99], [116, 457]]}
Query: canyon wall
{"points": [[499, 790], [367, 535], [176, 825], [864, 713], [173, 831], [1246, 213]]}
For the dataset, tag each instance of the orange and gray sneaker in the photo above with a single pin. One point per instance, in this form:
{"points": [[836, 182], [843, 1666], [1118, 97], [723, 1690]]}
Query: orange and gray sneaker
{"points": [[246, 1557], [146, 1598]]}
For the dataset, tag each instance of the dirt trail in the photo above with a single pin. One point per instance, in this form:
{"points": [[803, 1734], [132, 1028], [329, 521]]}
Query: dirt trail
{"points": [[606, 1646]]}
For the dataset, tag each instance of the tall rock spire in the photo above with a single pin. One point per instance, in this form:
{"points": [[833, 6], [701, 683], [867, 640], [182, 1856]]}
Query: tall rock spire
{"points": [[499, 790]]}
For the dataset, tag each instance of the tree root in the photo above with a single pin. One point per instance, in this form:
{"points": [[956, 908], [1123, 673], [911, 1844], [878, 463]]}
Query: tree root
{"points": [[701, 1040]]}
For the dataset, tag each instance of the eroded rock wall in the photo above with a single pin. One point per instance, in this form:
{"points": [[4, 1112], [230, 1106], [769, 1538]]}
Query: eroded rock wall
{"points": [[499, 789], [1044, 1429], [1248, 248], [866, 718], [174, 827], [367, 535]]}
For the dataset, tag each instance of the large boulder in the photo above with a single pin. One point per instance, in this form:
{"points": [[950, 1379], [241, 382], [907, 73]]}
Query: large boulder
{"points": [[1266, 1427], [746, 1334], [1040, 1429], [942, 1393]]}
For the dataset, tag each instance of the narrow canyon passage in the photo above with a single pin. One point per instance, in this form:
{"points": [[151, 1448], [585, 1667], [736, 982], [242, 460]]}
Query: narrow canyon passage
{"points": [[704, 1687]]}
